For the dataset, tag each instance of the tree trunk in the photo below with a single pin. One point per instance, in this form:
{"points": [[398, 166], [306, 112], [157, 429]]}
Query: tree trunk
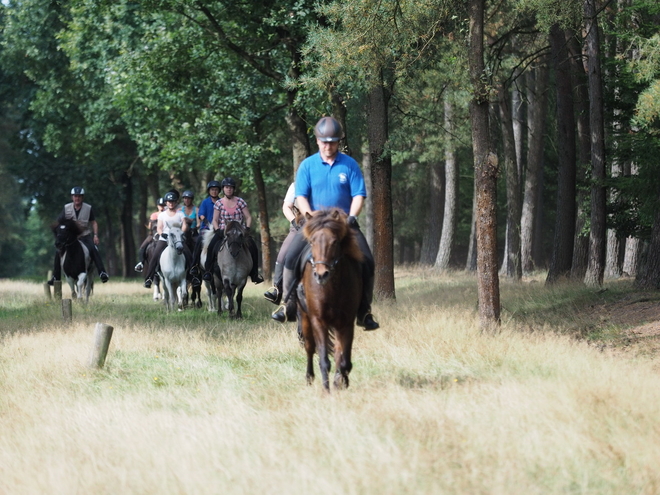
{"points": [[264, 223], [537, 106], [649, 276], [518, 121], [451, 191], [512, 266], [562, 249], [433, 221], [486, 169], [368, 225], [596, 265], [381, 176], [298, 130], [127, 238], [471, 262], [633, 247], [143, 218], [581, 101]]}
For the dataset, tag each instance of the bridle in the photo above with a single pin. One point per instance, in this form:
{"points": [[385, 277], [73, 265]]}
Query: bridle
{"points": [[330, 264]]}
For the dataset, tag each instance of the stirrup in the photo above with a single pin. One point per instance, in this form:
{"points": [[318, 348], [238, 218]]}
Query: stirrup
{"points": [[52, 281], [280, 314], [147, 283], [273, 295], [139, 267], [257, 279], [104, 276], [208, 276]]}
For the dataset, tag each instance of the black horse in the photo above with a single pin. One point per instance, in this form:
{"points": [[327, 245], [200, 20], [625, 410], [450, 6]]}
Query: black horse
{"points": [[77, 264]]}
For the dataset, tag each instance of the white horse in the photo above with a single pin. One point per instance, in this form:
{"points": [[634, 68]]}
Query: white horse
{"points": [[173, 270]]}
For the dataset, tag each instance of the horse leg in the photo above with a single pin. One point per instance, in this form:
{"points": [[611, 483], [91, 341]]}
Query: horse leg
{"points": [[310, 345], [229, 291], [321, 338], [343, 345], [239, 300]]}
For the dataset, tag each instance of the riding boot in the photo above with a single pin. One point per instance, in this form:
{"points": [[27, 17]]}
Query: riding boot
{"points": [[364, 317], [96, 258], [286, 311], [274, 294]]}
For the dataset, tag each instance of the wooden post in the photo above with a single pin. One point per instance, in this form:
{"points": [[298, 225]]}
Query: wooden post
{"points": [[102, 336], [47, 291], [57, 289], [67, 314]]}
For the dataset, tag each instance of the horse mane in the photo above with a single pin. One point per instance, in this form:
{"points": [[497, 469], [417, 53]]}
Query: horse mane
{"points": [[207, 235], [233, 224], [336, 221], [70, 225]]}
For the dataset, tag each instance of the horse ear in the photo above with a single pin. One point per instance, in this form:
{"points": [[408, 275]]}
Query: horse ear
{"points": [[335, 214], [308, 215]]}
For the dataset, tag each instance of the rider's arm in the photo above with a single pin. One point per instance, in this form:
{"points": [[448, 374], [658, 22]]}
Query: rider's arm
{"points": [[287, 209], [95, 230], [247, 217], [303, 205], [216, 219], [356, 206]]}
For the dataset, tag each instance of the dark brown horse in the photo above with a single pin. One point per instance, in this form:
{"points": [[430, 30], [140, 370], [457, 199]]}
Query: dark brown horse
{"points": [[332, 285]]}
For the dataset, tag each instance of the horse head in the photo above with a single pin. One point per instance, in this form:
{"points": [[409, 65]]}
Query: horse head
{"points": [[330, 238], [175, 238], [234, 237], [66, 233]]}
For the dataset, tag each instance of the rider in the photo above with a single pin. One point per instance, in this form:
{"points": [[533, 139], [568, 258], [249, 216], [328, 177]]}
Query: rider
{"points": [[226, 209], [274, 294], [166, 220], [204, 217], [329, 179], [83, 214], [153, 225], [190, 211]]}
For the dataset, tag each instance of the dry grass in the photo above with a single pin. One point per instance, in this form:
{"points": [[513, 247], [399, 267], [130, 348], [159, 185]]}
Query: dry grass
{"points": [[193, 403]]}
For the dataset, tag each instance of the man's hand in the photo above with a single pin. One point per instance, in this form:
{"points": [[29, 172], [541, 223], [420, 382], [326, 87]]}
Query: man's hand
{"points": [[352, 222]]}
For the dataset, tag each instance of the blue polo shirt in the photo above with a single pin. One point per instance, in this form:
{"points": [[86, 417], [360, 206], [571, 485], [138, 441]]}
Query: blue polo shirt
{"points": [[206, 209], [327, 186]]}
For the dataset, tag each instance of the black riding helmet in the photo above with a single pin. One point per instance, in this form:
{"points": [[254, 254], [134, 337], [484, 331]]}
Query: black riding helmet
{"points": [[171, 196], [161, 201], [78, 190], [188, 194], [213, 183], [328, 130], [228, 181]]}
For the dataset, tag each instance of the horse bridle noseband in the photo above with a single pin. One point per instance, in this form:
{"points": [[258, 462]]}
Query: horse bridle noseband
{"points": [[330, 264]]}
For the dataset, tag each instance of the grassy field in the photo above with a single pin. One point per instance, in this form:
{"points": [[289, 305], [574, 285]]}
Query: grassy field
{"points": [[564, 400]]}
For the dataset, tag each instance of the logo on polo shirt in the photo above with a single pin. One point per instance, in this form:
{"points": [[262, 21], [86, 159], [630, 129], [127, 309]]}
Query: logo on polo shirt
{"points": [[343, 178]]}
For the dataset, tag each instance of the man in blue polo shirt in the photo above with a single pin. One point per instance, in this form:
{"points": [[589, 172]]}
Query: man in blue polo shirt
{"points": [[330, 179], [205, 218]]}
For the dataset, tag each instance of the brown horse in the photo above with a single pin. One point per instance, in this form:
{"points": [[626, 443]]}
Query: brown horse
{"points": [[332, 285]]}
